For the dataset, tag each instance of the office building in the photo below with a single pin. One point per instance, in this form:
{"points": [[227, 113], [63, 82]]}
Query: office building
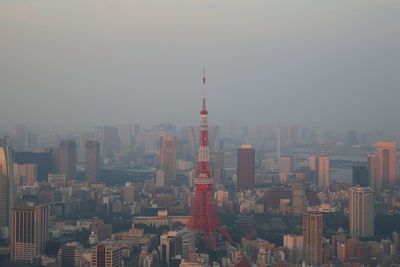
{"points": [[6, 189], [25, 174], [67, 158], [43, 160], [360, 176], [128, 193], [387, 162], [126, 135], [313, 163], [286, 168], [294, 244], [168, 158], [312, 234], [321, 166], [170, 247], [217, 166], [372, 166], [69, 255], [278, 143], [29, 229], [106, 256], [246, 161], [361, 209], [298, 195], [160, 178], [110, 140], [92, 160], [323, 171]]}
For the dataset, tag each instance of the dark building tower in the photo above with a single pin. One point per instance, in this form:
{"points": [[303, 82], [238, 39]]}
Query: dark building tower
{"points": [[246, 165], [29, 233], [372, 166], [67, 158], [360, 176], [106, 256], [168, 158], [69, 255], [42, 160], [92, 160], [298, 195], [6, 189], [312, 234]]}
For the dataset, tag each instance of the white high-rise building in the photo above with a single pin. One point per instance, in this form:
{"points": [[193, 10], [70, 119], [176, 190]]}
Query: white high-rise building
{"points": [[361, 210]]}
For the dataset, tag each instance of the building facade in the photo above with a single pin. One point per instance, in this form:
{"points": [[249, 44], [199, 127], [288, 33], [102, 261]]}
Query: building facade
{"points": [[361, 210], [92, 160], [246, 167], [387, 162], [67, 158], [106, 256], [312, 234], [29, 233], [168, 158]]}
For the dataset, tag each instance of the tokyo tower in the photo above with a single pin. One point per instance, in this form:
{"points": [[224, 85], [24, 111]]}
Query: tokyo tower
{"points": [[204, 217]]}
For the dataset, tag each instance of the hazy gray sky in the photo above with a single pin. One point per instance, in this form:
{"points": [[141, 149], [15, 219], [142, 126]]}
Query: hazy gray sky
{"points": [[314, 62]]}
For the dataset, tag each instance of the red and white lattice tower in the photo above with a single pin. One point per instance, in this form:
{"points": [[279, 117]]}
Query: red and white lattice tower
{"points": [[204, 217]]}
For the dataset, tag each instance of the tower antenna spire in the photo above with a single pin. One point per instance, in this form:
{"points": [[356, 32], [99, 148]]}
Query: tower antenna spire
{"points": [[203, 85]]}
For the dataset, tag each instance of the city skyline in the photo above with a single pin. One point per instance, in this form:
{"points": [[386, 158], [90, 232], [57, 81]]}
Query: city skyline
{"points": [[276, 57], [105, 161]]}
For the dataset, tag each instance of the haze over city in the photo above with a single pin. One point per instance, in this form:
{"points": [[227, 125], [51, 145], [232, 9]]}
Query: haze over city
{"points": [[331, 64], [199, 133]]}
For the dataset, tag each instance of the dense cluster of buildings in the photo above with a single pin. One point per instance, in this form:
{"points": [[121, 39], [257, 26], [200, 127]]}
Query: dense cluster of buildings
{"points": [[122, 197]]}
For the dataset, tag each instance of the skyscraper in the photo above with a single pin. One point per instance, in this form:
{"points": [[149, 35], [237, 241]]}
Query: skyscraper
{"points": [[323, 171], [67, 158], [217, 166], [106, 256], [312, 234], [321, 167], [168, 158], [278, 143], [92, 160], [361, 210], [372, 166], [246, 167], [20, 137], [111, 139], [29, 233], [126, 135], [360, 176], [387, 162], [313, 163], [6, 189], [298, 196]]}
